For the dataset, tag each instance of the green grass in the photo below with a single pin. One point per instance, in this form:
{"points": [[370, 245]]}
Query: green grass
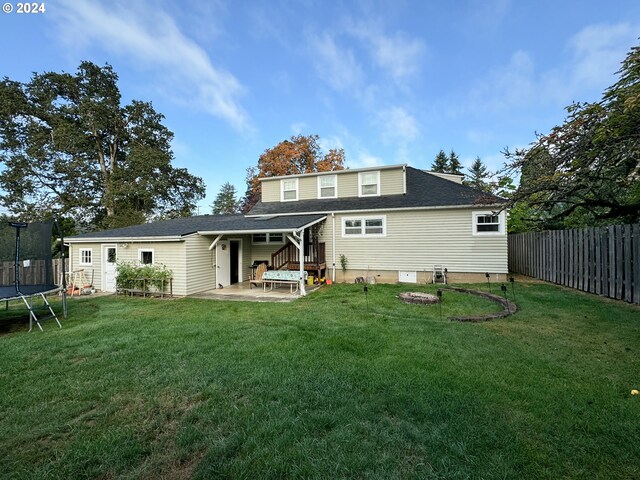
{"points": [[324, 387]]}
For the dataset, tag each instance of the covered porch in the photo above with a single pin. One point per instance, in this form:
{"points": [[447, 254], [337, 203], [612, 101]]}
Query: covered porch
{"points": [[285, 243]]}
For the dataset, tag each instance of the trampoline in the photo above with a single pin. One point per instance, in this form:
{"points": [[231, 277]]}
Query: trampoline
{"points": [[26, 268]]}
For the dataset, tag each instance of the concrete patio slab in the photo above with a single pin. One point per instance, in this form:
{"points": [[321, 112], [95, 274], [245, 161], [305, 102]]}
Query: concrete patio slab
{"points": [[243, 292]]}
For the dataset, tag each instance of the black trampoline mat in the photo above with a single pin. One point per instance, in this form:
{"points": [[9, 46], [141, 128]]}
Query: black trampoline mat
{"points": [[9, 292]]}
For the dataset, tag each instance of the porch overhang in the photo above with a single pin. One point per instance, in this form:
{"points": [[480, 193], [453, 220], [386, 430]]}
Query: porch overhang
{"points": [[278, 224], [292, 226]]}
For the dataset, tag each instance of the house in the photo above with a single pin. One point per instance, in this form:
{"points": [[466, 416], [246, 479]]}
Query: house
{"points": [[392, 223]]}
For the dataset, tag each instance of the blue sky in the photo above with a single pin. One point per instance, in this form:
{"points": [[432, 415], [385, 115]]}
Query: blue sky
{"points": [[388, 81]]}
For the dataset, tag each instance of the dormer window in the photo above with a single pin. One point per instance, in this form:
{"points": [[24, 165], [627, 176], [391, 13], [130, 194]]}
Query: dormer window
{"points": [[369, 184], [327, 186], [289, 189]]}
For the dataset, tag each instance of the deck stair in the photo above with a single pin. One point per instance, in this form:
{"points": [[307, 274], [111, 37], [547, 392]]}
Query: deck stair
{"points": [[287, 258]]}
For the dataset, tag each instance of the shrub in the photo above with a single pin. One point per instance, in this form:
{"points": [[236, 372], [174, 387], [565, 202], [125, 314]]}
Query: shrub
{"points": [[133, 276]]}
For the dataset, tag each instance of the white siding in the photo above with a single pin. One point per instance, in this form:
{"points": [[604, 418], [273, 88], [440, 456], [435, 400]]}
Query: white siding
{"points": [[199, 265], [416, 240], [263, 252], [270, 190], [246, 257], [391, 183], [348, 185], [170, 254], [95, 269], [307, 188]]}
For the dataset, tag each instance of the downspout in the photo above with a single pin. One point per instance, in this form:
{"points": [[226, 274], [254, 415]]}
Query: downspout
{"points": [[333, 248], [300, 238]]}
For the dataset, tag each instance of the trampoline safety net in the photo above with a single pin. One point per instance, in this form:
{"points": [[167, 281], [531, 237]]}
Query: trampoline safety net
{"points": [[33, 262], [26, 268]]}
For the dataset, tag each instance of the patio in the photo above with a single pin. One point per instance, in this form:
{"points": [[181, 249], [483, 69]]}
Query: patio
{"points": [[243, 292]]}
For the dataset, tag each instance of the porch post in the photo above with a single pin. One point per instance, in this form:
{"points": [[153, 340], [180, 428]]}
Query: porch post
{"points": [[303, 292], [213, 244]]}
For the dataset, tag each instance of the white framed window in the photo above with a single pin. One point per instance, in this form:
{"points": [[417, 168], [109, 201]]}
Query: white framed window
{"points": [[86, 256], [352, 226], [369, 184], [267, 238], [488, 223], [146, 256], [364, 226], [258, 238], [288, 189], [327, 186]]}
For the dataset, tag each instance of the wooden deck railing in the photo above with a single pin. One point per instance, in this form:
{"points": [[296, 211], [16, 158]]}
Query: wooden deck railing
{"points": [[289, 254]]}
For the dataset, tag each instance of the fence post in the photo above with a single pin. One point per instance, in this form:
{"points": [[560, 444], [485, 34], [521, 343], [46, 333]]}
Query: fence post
{"points": [[612, 261], [628, 274], [636, 263]]}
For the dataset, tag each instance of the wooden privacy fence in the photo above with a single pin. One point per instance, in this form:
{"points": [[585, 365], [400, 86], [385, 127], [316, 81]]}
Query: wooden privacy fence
{"points": [[601, 260], [35, 274]]}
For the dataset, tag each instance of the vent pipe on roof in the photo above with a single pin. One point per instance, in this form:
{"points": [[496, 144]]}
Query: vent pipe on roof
{"points": [[404, 179]]}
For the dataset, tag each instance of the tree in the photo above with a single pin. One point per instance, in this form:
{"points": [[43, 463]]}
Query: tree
{"points": [[454, 166], [299, 154], [587, 170], [478, 173], [226, 202], [440, 163], [69, 147]]}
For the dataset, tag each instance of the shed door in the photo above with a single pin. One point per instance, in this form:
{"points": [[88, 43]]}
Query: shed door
{"points": [[109, 268], [223, 260]]}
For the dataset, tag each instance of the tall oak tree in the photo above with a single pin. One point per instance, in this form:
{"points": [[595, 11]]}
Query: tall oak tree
{"points": [[68, 146]]}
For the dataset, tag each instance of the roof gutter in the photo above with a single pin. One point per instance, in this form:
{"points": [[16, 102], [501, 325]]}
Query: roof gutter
{"points": [[333, 172], [393, 209], [173, 238]]}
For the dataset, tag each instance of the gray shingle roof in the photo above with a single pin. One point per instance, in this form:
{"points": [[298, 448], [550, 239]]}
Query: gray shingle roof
{"points": [[423, 190], [180, 227]]}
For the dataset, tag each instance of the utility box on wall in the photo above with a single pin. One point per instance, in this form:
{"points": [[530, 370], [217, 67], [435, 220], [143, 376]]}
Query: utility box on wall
{"points": [[407, 277]]}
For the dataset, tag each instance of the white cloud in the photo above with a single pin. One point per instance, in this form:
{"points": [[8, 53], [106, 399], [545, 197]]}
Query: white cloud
{"points": [[488, 13], [506, 86], [598, 51], [396, 54], [363, 159], [398, 124], [328, 143], [298, 128], [149, 37], [595, 54], [335, 64]]}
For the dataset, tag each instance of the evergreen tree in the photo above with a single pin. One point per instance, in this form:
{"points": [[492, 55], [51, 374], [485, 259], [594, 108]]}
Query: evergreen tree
{"points": [[454, 166], [226, 202], [440, 163], [478, 173]]}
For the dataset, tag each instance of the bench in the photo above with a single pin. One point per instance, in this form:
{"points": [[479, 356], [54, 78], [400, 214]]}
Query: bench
{"points": [[288, 277]]}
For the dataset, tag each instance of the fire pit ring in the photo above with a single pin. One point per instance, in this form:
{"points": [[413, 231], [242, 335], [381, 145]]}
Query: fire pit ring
{"points": [[418, 297]]}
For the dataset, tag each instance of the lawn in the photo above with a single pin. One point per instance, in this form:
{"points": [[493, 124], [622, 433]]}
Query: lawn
{"points": [[324, 387]]}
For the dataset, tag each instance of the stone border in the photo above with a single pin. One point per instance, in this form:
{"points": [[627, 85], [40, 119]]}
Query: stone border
{"points": [[419, 298], [508, 307]]}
